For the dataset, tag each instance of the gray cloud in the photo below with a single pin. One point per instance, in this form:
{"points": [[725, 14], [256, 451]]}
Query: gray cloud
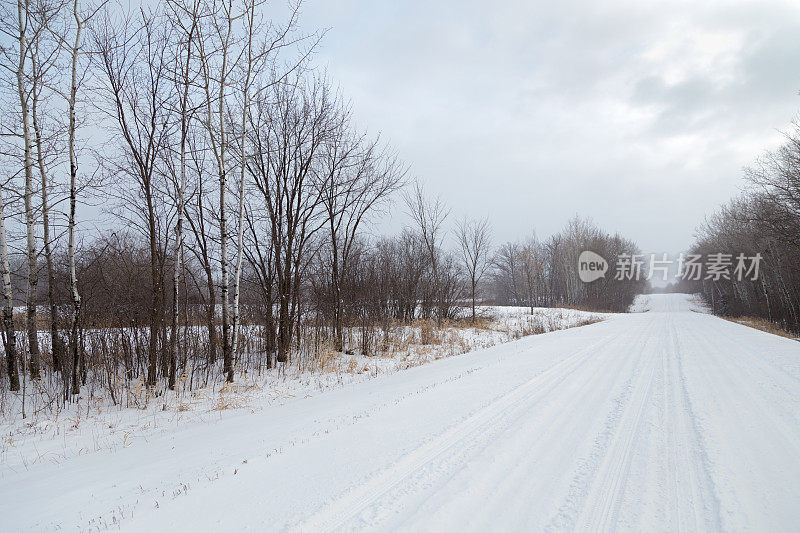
{"points": [[637, 114]]}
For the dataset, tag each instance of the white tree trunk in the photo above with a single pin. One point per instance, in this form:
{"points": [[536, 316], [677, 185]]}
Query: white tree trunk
{"points": [[8, 308], [73, 193], [240, 236], [31, 293]]}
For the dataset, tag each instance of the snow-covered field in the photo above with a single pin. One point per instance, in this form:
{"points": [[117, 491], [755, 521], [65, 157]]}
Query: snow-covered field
{"points": [[669, 419]]}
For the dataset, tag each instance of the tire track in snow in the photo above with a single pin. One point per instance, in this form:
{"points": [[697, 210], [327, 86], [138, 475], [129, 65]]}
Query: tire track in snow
{"points": [[520, 470], [758, 420], [732, 370], [476, 426], [606, 493], [702, 491], [593, 470]]}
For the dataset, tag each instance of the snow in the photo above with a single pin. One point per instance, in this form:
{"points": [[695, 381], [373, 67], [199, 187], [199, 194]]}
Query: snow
{"points": [[96, 423], [668, 302], [661, 420]]}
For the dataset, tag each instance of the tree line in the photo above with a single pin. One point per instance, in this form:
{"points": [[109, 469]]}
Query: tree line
{"points": [[241, 193], [764, 220], [543, 273]]}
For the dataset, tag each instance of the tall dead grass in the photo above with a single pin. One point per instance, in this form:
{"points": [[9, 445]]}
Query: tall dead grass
{"points": [[763, 324]]}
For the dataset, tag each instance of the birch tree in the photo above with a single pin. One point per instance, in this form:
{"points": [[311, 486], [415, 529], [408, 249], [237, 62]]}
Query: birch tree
{"points": [[215, 54], [10, 335], [253, 61], [80, 20], [25, 23], [45, 55], [187, 31], [236, 47]]}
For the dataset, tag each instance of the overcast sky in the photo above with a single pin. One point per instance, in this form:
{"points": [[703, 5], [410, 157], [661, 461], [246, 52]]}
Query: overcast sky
{"points": [[637, 114]]}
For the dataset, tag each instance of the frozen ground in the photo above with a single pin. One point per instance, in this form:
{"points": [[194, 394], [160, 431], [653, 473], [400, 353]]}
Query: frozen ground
{"points": [[669, 419]]}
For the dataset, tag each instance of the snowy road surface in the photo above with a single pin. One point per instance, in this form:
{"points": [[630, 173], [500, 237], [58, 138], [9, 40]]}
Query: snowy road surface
{"points": [[664, 420]]}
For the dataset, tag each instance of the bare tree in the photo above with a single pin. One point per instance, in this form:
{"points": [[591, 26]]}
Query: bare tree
{"points": [[532, 267], [475, 241], [763, 223], [26, 26], [200, 219], [187, 31], [236, 47], [290, 132], [73, 193], [216, 56], [134, 62], [429, 216], [43, 60], [10, 335], [356, 177], [251, 56], [260, 254]]}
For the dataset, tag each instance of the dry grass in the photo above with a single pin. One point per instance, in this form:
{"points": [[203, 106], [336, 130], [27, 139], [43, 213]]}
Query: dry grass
{"points": [[481, 322], [763, 325], [424, 340], [235, 396], [428, 332], [586, 322]]}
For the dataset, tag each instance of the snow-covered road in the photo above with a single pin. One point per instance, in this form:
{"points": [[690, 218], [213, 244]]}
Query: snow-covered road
{"points": [[664, 420]]}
